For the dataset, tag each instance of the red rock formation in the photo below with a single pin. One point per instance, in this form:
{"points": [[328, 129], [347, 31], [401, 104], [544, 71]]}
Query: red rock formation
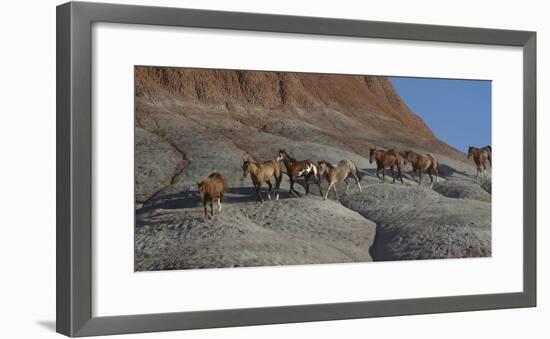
{"points": [[345, 106]]}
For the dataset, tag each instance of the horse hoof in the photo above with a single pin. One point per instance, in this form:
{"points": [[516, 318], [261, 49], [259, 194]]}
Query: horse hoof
{"points": [[277, 197]]}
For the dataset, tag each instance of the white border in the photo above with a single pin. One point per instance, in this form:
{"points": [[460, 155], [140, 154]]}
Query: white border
{"points": [[117, 290]]}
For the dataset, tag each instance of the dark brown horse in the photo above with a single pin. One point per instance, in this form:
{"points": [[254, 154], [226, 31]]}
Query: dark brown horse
{"points": [[422, 163], [299, 168], [260, 173], [212, 187], [386, 159], [481, 156]]}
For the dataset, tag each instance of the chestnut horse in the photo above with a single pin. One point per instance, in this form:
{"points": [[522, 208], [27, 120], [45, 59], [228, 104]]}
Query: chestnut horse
{"points": [[260, 173], [213, 187], [386, 159], [481, 156], [422, 163], [337, 173], [299, 168]]}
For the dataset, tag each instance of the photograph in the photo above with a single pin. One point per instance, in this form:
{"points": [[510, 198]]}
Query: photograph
{"points": [[247, 168]]}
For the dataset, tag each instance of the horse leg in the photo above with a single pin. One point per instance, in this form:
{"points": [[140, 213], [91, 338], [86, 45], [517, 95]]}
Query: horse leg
{"points": [[277, 185], [205, 209], [335, 192], [347, 185], [393, 174], [219, 204], [292, 187], [431, 177], [419, 176], [328, 190], [212, 206], [258, 186], [318, 181], [399, 173], [269, 189], [358, 183], [383, 174], [306, 181]]}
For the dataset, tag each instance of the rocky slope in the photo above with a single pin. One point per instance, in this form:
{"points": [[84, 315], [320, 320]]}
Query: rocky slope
{"points": [[192, 122]]}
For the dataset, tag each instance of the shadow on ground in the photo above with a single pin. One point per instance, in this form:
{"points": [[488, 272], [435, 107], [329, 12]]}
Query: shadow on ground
{"points": [[47, 324], [192, 199]]}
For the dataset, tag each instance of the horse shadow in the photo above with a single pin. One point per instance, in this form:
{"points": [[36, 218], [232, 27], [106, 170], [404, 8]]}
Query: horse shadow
{"points": [[448, 171], [445, 170], [180, 200], [192, 199], [371, 172], [236, 195]]}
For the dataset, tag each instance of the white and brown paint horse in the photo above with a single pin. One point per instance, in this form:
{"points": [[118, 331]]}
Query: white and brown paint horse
{"points": [[335, 174], [299, 168], [260, 173], [212, 187], [481, 157], [386, 159], [422, 163]]}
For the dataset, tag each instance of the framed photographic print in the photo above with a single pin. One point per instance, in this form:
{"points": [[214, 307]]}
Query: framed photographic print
{"points": [[236, 169]]}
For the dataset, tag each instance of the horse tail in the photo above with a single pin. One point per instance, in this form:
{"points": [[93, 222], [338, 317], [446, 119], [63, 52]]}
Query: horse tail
{"points": [[436, 164], [398, 160], [355, 170], [434, 159]]}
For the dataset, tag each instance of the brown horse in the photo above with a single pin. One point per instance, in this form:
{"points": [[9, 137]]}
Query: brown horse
{"points": [[261, 173], [337, 173], [386, 159], [299, 168], [422, 163], [213, 187], [481, 156]]}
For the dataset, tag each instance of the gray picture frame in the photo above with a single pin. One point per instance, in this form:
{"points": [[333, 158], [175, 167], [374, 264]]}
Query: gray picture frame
{"points": [[74, 168]]}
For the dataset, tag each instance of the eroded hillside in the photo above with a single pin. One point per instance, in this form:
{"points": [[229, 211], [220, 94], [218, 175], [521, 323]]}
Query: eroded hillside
{"points": [[192, 122]]}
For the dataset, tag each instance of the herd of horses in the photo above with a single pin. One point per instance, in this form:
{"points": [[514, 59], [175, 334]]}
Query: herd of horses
{"points": [[214, 186]]}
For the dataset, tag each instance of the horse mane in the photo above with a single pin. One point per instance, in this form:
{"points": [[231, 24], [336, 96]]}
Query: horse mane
{"points": [[287, 155], [251, 160], [328, 164], [413, 153]]}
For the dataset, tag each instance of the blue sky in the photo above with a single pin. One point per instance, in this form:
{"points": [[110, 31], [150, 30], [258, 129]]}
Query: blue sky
{"points": [[457, 111]]}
